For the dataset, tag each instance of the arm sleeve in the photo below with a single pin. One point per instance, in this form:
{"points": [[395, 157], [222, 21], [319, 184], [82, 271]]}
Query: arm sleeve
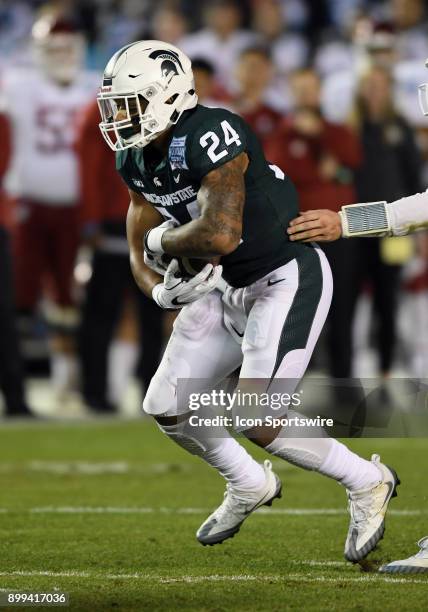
{"points": [[409, 214], [216, 142]]}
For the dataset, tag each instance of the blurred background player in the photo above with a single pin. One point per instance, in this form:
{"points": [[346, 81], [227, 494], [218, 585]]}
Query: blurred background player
{"points": [[11, 366], [221, 40], [287, 47], [206, 84], [105, 202], [369, 43], [168, 23], [391, 169], [42, 104]]}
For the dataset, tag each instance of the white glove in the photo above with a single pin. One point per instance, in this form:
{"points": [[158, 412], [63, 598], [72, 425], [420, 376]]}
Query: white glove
{"points": [[175, 292], [153, 238]]}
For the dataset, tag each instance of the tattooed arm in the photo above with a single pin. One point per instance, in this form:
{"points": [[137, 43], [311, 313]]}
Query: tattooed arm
{"points": [[218, 230]]}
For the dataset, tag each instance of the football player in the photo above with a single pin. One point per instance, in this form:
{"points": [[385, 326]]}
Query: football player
{"points": [[397, 218], [41, 104], [201, 187]]}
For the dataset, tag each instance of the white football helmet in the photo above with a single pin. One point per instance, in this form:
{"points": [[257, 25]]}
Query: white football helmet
{"points": [[146, 87]]}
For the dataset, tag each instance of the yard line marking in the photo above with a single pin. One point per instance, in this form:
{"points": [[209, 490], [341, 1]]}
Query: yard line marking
{"points": [[372, 578], [195, 511], [80, 467], [289, 578], [95, 468], [313, 563], [331, 511], [192, 511]]}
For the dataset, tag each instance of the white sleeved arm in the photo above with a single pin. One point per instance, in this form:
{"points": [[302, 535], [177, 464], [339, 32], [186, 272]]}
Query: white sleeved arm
{"points": [[409, 214], [382, 219]]}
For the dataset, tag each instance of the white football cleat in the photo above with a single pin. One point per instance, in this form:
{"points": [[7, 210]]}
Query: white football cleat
{"points": [[224, 522], [367, 509], [418, 564]]}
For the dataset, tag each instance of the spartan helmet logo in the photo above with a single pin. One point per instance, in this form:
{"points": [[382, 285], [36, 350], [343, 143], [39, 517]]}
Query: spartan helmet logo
{"points": [[170, 64]]}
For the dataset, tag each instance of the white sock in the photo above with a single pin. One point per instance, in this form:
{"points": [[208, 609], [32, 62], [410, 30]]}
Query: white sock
{"points": [[236, 465], [348, 468], [328, 457], [224, 454]]}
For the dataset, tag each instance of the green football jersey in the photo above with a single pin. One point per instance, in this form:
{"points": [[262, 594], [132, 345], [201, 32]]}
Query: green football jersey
{"points": [[202, 140]]}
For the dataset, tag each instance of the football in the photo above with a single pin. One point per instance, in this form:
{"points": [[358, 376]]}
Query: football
{"points": [[190, 266]]}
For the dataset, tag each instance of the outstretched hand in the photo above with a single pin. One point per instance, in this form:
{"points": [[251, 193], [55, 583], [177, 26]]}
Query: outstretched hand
{"points": [[315, 226]]}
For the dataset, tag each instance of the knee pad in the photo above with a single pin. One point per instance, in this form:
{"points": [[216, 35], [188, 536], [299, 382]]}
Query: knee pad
{"points": [[201, 440], [160, 398], [166, 396]]}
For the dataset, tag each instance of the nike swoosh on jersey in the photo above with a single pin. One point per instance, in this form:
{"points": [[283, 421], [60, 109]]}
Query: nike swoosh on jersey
{"points": [[177, 178], [273, 281]]}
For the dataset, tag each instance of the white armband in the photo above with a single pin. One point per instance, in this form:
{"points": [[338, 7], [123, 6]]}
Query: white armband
{"points": [[153, 240], [367, 219]]}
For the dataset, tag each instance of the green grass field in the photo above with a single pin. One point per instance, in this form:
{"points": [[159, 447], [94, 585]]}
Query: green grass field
{"points": [[108, 511]]}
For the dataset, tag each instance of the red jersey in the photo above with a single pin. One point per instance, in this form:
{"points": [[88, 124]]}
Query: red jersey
{"points": [[104, 194], [300, 157], [264, 121]]}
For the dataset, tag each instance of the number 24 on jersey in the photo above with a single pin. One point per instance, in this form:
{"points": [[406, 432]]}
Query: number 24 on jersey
{"points": [[212, 141]]}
